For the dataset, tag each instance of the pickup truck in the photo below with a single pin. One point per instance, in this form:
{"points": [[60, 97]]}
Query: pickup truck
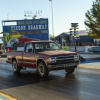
{"points": [[44, 56]]}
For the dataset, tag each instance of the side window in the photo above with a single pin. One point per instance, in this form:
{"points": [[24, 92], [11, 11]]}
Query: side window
{"points": [[29, 48], [26, 50]]}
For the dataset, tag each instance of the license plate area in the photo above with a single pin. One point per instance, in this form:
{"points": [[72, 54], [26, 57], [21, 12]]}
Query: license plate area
{"points": [[66, 65]]}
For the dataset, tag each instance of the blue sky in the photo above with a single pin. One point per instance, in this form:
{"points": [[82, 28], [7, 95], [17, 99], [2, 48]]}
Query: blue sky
{"points": [[65, 12]]}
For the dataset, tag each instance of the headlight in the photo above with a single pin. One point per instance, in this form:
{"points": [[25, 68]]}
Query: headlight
{"points": [[76, 57], [53, 59]]}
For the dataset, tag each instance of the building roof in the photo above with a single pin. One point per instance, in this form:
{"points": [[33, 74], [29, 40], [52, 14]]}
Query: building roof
{"points": [[81, 33], [21, 19]]}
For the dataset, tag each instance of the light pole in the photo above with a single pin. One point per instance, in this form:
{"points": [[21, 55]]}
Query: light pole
{"points": [[52, 18]]}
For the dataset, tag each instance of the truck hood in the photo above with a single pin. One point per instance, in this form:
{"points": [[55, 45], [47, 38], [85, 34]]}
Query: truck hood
{"points": [[58, 53]]}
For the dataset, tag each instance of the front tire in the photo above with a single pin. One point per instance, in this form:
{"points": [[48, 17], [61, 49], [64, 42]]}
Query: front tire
{"points": [[15, 66], [69, 71], [43, 70]]}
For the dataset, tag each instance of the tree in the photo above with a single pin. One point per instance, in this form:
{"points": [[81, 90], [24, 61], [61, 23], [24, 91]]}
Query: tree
{"points": [[51, 36], [93, 20]]}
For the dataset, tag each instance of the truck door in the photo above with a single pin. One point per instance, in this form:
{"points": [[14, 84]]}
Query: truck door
{"points": [[28, 56]]}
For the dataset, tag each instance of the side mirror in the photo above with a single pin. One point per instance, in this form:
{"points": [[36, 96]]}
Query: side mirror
{"points": [[30, 50]]}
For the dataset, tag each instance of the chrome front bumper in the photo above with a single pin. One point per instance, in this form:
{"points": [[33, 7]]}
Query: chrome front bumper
{"points": [[68, 65]]}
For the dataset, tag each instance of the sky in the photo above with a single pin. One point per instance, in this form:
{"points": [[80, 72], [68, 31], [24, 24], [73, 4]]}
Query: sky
{"points": [[65, 12]]}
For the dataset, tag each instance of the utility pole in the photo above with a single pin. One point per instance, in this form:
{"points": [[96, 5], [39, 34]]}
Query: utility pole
{"points": [[52, 18]]}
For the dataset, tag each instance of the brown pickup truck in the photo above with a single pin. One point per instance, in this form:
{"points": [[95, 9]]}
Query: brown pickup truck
{"points": [[43, 56]]}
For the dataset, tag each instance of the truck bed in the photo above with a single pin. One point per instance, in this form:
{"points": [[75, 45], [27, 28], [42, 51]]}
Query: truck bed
{"points": [[16, 54]]}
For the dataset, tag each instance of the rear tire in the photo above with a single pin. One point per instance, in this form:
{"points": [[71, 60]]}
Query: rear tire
{"points": [[69, 71], [43, 70], [15, 66]]}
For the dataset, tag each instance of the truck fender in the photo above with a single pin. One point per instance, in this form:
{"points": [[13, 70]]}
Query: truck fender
{"points": [[39, 60]]}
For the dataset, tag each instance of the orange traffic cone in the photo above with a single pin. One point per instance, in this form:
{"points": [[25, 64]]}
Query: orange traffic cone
{"points": [[8, 49]]}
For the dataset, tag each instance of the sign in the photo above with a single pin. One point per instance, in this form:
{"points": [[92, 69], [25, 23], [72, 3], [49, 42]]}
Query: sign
{"points": [[24, 31], [65, 48], [28, 27]]}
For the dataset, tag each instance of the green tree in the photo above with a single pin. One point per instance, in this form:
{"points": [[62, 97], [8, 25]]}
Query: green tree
{"points": [[50, 36], [93, 20]]}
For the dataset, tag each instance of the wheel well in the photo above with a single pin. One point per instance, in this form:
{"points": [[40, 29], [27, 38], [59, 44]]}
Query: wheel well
{"points": [[40, 60], [13, 59]]}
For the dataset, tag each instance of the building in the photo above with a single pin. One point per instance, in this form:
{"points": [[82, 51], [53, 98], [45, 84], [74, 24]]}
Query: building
{"points": [[64, 35], [66, 38]]}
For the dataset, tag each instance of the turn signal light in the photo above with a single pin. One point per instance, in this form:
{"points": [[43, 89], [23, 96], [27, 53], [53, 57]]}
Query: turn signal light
{"points": [[49, 60], [54, 66]]}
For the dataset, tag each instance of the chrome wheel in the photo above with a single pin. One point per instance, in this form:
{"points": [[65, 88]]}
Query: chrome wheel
{"points": [[43, 71], [15, 66]]}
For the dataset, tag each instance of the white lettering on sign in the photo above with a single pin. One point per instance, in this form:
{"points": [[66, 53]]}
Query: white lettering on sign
{"points": [[29, 27], [36, 26], [19, 27], [39, 26], [32, 28], [45, 26], [42, 26], [11, 28], [24, 27], [16, 28]]}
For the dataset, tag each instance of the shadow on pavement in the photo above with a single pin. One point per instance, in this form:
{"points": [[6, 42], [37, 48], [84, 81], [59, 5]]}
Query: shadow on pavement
{"points": [[28, 77]]}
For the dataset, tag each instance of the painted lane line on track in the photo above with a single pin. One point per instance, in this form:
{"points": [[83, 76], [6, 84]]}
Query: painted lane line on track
{"points": [[7, 96], [85, 66]]}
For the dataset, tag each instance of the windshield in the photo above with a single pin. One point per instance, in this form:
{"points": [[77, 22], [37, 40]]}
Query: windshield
{"points": [[46, 46]]}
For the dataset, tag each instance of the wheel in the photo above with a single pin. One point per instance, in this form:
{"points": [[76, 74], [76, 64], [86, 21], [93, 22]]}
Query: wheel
{"points": [[43, 70], [69, 71], [15, 66]]}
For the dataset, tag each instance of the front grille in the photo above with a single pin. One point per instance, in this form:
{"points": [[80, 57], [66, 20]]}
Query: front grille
{"points": [[64, 59]]}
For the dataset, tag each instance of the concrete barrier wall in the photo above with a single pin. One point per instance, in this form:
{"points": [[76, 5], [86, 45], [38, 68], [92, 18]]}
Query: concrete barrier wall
{"points": [[83, 48]]}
